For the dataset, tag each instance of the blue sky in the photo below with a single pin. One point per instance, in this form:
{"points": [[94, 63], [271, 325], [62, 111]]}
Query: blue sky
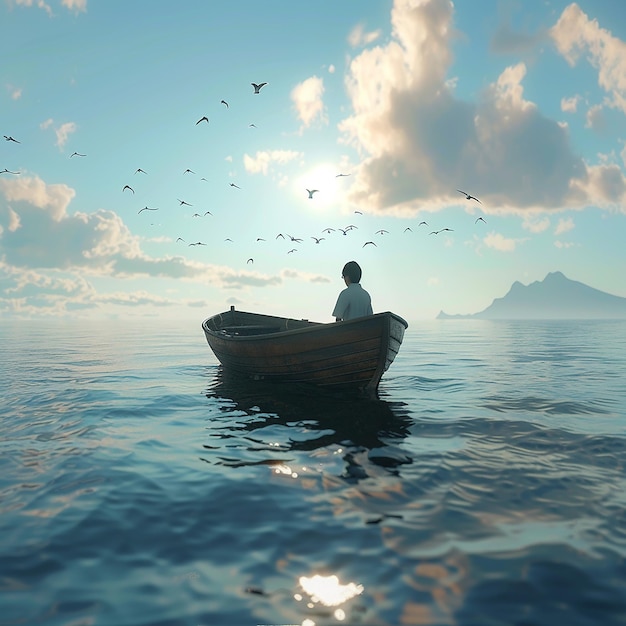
{"points": [[520, 104]]}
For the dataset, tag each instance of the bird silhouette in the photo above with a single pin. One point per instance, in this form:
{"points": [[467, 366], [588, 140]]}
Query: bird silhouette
{"points": [[196, 215], [147, 209], [204, 118], [188, 171], [318, 239], [252, 125], [208, 213], [233, 185], [250, 261], [340, 175], [479, 219], [77, 154], [180, 239], [9, 138], [292, 250], [183, 202], [368, 242], [6, 171], [198, 243], [139, 170], [311, 192], [224, 103], [468, 197], [408, 228], [328, 230], [424, 223], [128, 187], [382, 231], [257, 88]]}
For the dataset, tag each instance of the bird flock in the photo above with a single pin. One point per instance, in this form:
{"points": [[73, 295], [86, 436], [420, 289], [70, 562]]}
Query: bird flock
{"points": [[317, 239]]}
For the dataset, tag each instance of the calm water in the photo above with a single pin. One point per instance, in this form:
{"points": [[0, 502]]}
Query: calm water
{"points": [[138, 485]]}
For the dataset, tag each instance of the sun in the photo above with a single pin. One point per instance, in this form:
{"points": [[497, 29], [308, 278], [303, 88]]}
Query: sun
{"points": [[320, 187]]}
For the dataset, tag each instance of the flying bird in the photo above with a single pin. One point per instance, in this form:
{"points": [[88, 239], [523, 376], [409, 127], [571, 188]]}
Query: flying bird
{"points": [[368, 242], [260, 239], [125, 187], [204, 118], [318, 239], [196, 215], [183, 202], [294, 238], [280, 235], [228, 239], [408, 228], [292, 250], [6, 171], [77, 154], [257, 88], [359, 212], [467, 196], [147, 209], [233, 185], [479, 219], [328, 230], [208, 213], [382, 231], [224, 103], [180, 239], [425, 223], [198, 243], [340, 175], [311, 192], [252, 125], [250, 261], [188, 171], [139, 170], [9, 138]]}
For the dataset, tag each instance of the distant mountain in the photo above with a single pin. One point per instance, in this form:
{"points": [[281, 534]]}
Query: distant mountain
{"points": [[555, 297]]}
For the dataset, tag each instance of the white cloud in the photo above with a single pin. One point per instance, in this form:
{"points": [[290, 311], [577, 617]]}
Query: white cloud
{"points": [[535, 224], [358, 37], [594, 118], [308, 102], [331, 69], [419, 143], [262, 160], [569, 105], [564, 244], [564, 225], [38, 3], [63, 132], [77, 6], [575, 34], [14, 92], [500, 242]]}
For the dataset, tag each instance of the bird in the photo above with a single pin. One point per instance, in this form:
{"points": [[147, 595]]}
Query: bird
{"points": [[344, 231], [359, 212], [233, 185], [479, 219], [467, 196], [311, 192], [180, 239], [147, 209], [318, 239], [328, 230], [250, 261], [228, 239], [424, 223], [436, 232], [340, 175], [252, 125], [448, 229], [183, 202], [257, 88], [196, 215], [367, 242], [77, 154], [382, 231], [125, 187], [6, 171], [292, 250], [188, 171], [408, 228], [198, 243], [351, 227], [280, 235], [294, 238], [204, 118], [260, 239], [139, 170], [9, 138], [224, 103], [208, 213]]}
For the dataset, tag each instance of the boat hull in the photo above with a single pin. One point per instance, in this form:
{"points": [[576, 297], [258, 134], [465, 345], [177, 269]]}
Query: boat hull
{"points": [[353, 353]]}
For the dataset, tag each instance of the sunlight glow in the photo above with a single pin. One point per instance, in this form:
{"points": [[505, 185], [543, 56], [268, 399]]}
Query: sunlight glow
{"points": [[328, 591], [324, 179]]}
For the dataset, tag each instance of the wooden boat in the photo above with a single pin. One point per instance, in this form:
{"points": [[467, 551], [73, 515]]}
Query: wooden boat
{"points": [[354, 353]]}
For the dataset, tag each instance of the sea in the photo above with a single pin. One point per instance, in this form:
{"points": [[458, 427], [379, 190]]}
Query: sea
{"points": [[141, 485]]}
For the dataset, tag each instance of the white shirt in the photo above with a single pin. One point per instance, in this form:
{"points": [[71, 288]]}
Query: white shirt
{"points": [[353, 302]]}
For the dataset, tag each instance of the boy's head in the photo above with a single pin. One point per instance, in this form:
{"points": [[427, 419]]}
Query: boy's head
{"points": [[352, 271]]}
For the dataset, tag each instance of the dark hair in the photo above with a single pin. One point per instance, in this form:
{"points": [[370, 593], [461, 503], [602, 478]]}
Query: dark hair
{"points": [[353, 271]]}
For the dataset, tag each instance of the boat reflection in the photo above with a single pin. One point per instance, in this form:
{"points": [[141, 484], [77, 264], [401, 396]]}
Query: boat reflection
{"points": [[340, 418]]}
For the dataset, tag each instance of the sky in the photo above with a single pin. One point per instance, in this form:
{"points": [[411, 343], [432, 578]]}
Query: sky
{"points": [[143, 177]]}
